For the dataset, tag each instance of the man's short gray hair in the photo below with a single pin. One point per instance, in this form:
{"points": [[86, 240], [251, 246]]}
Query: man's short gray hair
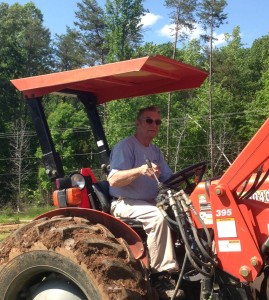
{"points": [[148, 108]]}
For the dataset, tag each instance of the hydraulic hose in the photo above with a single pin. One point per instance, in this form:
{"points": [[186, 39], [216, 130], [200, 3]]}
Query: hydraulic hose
{"points": [[180, 276], [188, 204], [198, 241], [180, 207], [196, 237], [189, 252], [191, 255], [209, 240], [184, 200]]}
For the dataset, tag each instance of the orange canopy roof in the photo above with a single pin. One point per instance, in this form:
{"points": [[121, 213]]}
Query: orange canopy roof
{"points": [[124, 79]]}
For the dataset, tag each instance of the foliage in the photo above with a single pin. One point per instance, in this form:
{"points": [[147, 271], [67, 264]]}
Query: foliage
{"points": [[232, 74], [69, 51], [259, 108], [25, 50], [182, 16], [149, 49], [191, 54], [123, 25], [92, 29], [211, 15], [71, 134]]}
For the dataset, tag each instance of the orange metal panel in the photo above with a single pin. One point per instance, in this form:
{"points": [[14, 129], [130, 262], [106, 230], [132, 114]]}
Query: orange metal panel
{"points": [[125, 79], [234, 235]]}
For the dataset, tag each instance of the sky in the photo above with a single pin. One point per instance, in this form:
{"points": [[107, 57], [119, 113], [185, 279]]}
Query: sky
{"points": [[251, 15]]}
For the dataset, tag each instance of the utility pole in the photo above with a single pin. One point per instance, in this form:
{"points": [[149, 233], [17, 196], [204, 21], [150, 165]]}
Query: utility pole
{"points": [[211, 138]]}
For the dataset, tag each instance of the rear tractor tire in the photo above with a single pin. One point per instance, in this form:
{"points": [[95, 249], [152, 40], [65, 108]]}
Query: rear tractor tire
{"points": [[71, 259]]}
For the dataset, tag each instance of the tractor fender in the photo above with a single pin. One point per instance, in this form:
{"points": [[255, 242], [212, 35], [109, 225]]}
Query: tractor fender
{"points": [[118, 228]]}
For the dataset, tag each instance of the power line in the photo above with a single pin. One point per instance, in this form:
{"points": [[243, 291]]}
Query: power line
{"points": [[10, 134], [225, 114]]}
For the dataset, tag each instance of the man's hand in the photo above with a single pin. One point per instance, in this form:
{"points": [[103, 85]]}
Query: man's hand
{"points": [[147, 171], [125, 177]]}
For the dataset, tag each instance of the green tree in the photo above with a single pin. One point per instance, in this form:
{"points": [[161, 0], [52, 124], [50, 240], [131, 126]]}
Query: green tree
{"points": [[231, 68], [182, 16], [191, 53], [69, 51], [92, 27], [258, 110], [25, 41], [25, 50], [150, 48], [232, 72], [124, 28], [211, 16], [71, 134], [258, 55]]}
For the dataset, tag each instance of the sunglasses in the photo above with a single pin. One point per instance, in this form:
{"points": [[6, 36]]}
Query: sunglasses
{"points": [[150, 121]]}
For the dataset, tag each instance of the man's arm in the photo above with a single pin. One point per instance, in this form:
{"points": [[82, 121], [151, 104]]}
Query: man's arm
{"points": [[125, 177]]}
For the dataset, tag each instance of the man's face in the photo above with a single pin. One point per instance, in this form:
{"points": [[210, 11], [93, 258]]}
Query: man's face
{"points": [[148, 124]]}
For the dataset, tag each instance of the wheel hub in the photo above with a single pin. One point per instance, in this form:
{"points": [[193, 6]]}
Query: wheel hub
{"points": [[57, 289]]}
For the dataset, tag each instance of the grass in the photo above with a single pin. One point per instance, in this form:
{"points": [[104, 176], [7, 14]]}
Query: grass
{"points": [[7, 216]]}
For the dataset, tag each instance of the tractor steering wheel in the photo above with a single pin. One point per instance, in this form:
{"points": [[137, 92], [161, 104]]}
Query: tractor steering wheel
{"points": [[191, 176]]}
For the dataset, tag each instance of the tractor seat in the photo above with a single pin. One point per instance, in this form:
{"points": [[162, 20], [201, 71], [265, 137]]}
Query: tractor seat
{"points": [[103, 199], [102, 202]]}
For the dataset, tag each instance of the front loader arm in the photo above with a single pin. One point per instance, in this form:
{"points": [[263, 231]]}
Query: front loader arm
{"points": [[236, 244], [239, 228]]}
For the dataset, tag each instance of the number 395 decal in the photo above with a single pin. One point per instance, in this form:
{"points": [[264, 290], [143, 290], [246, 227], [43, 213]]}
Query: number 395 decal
{"points": [[224, 212]]}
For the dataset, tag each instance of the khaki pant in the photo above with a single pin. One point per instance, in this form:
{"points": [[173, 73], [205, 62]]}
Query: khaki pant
{"points": [[159, 241]]}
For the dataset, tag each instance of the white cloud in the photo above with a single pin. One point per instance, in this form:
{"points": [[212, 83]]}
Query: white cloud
{"points": [[168, 30], [220, 39], [150, 19]]}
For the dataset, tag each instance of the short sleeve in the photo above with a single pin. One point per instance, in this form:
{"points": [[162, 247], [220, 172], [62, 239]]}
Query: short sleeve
{"points": [[166, 172], [121, 157]]}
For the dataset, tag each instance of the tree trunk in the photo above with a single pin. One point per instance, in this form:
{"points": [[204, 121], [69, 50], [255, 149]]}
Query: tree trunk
{"points": [[170, 94]]}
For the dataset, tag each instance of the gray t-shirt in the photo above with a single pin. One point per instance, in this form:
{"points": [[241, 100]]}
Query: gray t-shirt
{"points": [[129, 153]]}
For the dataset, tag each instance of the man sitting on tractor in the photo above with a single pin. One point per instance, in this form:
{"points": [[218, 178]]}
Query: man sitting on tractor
{"points": [[134, 189]]}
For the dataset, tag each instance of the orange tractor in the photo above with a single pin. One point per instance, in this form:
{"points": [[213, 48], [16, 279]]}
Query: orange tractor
{"points": [[79, 251]]}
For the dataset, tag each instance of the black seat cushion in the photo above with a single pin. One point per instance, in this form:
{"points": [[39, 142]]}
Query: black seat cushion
{"points": [[102, 202], [101, 189]]}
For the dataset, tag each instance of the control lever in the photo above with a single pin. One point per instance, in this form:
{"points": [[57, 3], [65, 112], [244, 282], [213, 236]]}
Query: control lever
{"points": [[148, 162], [105, 169]]}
